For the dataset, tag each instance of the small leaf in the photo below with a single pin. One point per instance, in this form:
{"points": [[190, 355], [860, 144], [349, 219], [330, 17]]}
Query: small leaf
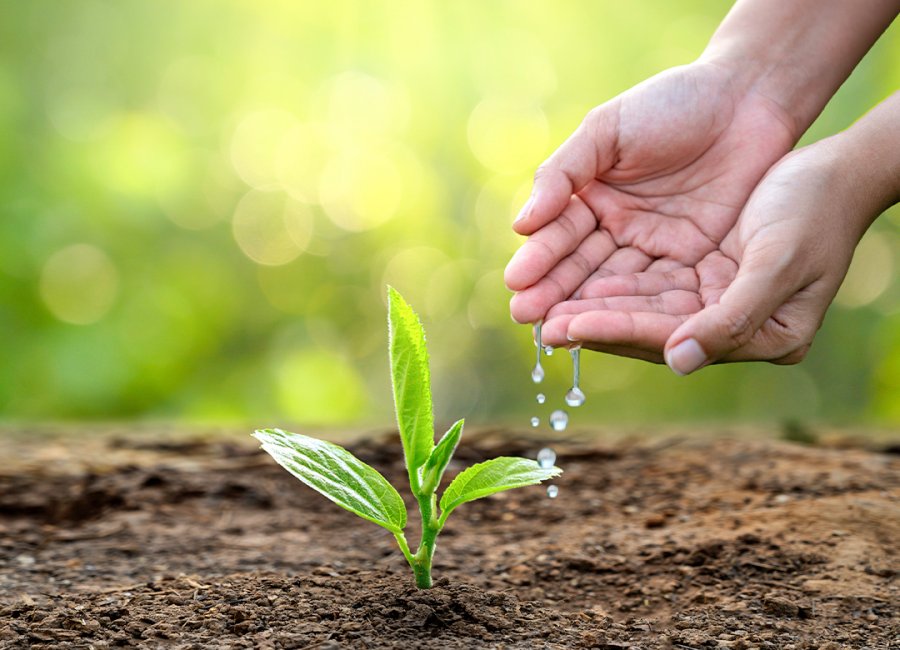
{"points": [[495, 475], [411, 381], [440, 457], [338, 475]]}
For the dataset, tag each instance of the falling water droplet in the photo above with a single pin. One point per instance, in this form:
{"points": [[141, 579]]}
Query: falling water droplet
{"points": [[552, 491], [541, 398], [575, 397], [546, 457], [537, 375], [535, 421], [559, 420], [548, 350]]}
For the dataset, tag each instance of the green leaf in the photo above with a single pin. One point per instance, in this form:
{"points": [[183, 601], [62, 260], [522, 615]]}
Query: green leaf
{"points": [[495, 475], [412, 383], [440, 457], [338, 475]]}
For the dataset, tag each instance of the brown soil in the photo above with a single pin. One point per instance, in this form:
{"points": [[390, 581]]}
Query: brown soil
{"points": [[668, 544]]}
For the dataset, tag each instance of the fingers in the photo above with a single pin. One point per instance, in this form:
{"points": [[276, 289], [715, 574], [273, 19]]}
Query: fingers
{"points": [[565, 246], [762, 284], [642, 322], [647, 331], [544, 249], [532, 304], [624, 261], [665, 264], [622, 351], [667, 302], [587, 153], [641, 284]]}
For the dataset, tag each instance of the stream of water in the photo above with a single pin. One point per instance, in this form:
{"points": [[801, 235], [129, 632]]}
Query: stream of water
{"points": [[558, 419]]}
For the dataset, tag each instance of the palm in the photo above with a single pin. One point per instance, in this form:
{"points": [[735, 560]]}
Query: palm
{"points": [[685, 155], [636, 314]]}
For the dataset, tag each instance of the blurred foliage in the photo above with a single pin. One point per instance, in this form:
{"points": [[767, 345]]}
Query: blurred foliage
{"points": [[202, 202]]}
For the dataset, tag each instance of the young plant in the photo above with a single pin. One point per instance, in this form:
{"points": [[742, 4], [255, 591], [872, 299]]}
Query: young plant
{"points": [[340, 476]]}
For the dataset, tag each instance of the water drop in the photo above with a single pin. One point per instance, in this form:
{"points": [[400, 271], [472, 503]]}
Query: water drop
{"points": [[548, 350], [546, 457], [559, 420], [535, 421], [541, 398], [537, 375], [575, 397], [552, 491]]}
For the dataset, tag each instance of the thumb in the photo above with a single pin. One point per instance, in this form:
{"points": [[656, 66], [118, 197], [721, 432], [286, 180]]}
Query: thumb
{"points": [[759, 288], [588, 152]]}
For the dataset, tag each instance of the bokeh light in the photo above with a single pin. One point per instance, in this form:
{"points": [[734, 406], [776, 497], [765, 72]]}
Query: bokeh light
{"points": [[360, 189], [302, 152], [270, 228], [411, 269], [507, 136], [254, 144], [79, 284], [871, 272], [319, 386], [140, 155], [198, 223]]}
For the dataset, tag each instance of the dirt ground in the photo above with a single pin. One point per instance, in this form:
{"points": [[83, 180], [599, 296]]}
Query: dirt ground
{"points": [[147, 540]]}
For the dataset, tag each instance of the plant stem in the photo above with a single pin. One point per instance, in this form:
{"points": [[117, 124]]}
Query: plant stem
{"points": [[421, 562]]}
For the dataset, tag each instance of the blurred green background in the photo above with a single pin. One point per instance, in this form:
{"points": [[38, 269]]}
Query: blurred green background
{"points": [[202, 202]]}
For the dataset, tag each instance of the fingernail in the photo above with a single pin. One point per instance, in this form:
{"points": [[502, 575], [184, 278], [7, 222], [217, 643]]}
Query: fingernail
{"points": [[525, 211], [685, 357]]}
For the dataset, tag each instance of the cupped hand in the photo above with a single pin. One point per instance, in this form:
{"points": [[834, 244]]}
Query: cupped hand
{"points": [[652, 181], [760, 295]]}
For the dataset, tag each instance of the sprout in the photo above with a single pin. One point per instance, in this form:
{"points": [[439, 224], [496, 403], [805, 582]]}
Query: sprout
{"points": [[341, 477]]}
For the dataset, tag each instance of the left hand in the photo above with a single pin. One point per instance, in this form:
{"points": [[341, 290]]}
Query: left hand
{"points": [[651, 181]]}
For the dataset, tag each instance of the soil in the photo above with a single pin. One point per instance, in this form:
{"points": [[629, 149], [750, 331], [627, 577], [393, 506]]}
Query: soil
{"points": [[114, 541]]}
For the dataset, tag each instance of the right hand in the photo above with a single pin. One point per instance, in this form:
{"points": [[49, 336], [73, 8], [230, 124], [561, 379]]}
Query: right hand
{"points": [[762, 295], [652, 180]]}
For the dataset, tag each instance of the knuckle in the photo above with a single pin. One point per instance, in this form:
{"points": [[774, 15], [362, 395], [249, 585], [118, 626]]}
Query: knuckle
{"points": [[592, 126], [581, 263], [795, 353], [738, 327], [594, 116], [569, 227], [793, 357], [543, 171]]}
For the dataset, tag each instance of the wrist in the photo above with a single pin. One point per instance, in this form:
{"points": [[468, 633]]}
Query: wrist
{"points": [[868, 159], [748, 76], [797, 54]]}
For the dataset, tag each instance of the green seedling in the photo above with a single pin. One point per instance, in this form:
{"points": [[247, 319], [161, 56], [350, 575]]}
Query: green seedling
{"points": [[341, 477]]}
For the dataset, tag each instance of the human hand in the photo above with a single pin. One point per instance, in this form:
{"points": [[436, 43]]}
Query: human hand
{"points": [[761, 295], [652, 181]]}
